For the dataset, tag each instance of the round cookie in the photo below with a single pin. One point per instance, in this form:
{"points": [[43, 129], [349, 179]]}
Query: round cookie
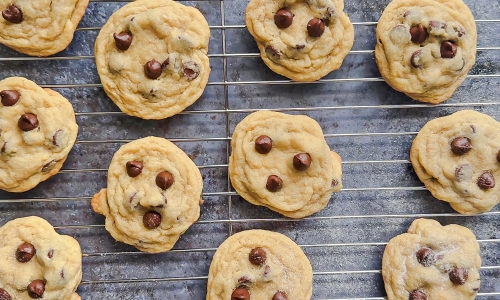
{"points": [[37, 262], [303, 40], [259, 264], [171, 74], [432, 262], [457, 157], [153, 194], [37, 130], [41, 27], [425, 48], [284, 163]]}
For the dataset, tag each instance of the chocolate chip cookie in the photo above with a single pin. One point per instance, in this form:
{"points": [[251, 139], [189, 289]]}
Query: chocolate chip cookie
{"points": [[152, 58], [432, 262], [153, 194], [284, 163], [425, 48], [37, 262], [457, 157], [37, 130], [42, 27], [303, 40], [259, 264]]}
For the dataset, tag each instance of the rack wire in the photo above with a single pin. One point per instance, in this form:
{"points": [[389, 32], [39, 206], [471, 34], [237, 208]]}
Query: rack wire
{"points": [[230, 221]]}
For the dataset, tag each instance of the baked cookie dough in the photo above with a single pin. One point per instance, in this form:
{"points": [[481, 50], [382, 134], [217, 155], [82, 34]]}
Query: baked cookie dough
{"points": [[37, 262], [37, 130], [41, 27], [303, 40], [259, 264], [153, 194], [457, 157], [432, 262], [425, 48], [152, 58], [284, 163]]}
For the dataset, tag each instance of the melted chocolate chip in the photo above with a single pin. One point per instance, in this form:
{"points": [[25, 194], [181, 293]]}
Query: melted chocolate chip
{"points": [[55, 138], [191, 70], [460, 145], [315, 27], [51, 253], [498, 156], [302, 161], [274, 183], [25, 252], [27, 122], [134, 168], [458, 276], [165, 63], [263, 144], [9, 97], [13, 14], [415, 59], [486, 181], [240, 293], [283, 18], [4, 295], [280, 296], [417, 295], [123, 40], [448, 50], [164, 180], [437, 24], [257, 256], [36, 289], [273, 53], [418, 34], [426, 257], [153, 69], [151, 219]]}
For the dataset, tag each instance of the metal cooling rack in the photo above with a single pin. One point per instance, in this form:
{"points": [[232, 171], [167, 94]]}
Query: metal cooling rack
{"points": [[112, 287]]}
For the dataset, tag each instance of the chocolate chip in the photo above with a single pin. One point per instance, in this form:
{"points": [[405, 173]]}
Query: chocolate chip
{"points": [[25, 252], [498, 156], [27, 122], [426, 257], [57, 138], [244, 280], [165, 63], [36, 289], [273, 53], [437, 24], [153, 69], [302, 161], [315, 27], [191, 70], [283, 18], [62, 274], [240, 293], [448, 50], [51, 253], [460, 145], [458, 276], [263, 144], [49, 166], [472, 127], [3, 148], [335, 182], [415, 59], [418, 34], [486, 181], [280, 296], [13, 14], [134, 168], [4, 295], [257, 256], [417, 295], [164, 180], [9, 97], [274, 183], [463, 172], [151, 219], [123, 40], [406, 14], [300, 47], [267, 270]]}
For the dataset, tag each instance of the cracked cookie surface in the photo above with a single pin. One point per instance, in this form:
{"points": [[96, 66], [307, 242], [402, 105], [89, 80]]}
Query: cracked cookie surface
{"points": [[432, 262], [425, 48], [37, 130], [303, 40], [259, 264], [37, 262], [42, 27], [153, 194], [284, 163], [151, 57], [457, 157]]}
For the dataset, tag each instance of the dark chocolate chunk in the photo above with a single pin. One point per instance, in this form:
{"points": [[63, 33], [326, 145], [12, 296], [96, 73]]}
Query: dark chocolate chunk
{"points": [[123, 40], [486, 181], [151, 219], [274, 183], [426, 257], [257, 256], [417, 295], [153, 69], [315, 27], [27, 122], [280, 296], [418, 34], [283, 18], [25, 252], [240, 293], [134, 168], [415, 59], [263, 144], [13, 14], [36, 289], [302, 161], [9, 97], [448, 50], [460, 145], [164, 180], [4, 295], [458, 276]]}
